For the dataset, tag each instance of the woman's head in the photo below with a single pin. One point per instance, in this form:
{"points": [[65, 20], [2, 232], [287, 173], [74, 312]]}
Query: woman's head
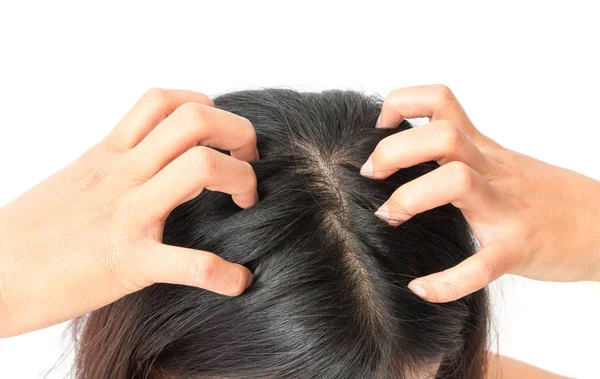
{"points": [[330, 297]]}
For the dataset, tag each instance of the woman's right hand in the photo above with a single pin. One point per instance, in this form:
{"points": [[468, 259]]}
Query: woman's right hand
{"points": [[531, 218], [92, 233]]}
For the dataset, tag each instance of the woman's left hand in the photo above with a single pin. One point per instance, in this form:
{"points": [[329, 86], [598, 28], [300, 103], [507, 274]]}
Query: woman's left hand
{"points": [[531, 218]]}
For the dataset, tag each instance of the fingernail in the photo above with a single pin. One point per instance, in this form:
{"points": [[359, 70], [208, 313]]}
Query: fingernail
{"points": [[367, 168], [383, 213], [250, 280], [378, 123], [418, 289]]}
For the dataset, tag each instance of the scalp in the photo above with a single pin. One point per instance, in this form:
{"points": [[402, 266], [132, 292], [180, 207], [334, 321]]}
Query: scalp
{"points": [[329, 298]]}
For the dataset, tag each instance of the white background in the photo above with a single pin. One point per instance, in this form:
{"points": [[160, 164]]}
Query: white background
{"points": [[526, 73]]}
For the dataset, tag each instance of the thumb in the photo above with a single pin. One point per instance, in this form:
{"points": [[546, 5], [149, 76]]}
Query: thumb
{"points": [[179, 265], [472, 274]]}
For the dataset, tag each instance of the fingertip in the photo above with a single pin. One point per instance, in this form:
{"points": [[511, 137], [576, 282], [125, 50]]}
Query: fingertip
{"points": [[390, 213], [378, 123], [417, 288], [429, 290], [367, 168], [381, 124], [250, 280], [246, 279], [437, 289], [384, 213], [246, 201]]}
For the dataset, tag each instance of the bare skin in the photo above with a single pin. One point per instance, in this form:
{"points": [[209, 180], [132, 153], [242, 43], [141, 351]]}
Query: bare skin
{"points": [[91, 233], [531, 218], [500, 367]]}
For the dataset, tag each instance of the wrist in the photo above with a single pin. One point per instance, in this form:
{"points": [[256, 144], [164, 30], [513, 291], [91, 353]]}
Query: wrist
{"points": [[4, 314]]}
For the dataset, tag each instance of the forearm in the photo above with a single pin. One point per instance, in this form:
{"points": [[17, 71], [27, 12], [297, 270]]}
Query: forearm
{"points": [[597, 233], [594, 231], [4, 314], [500, 367]]}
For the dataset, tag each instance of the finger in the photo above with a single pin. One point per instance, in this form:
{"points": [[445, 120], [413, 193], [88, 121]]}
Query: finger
{"points": [[184, 178], [434, 101], [440, 140], [194, 124], [178, 265], [153, 107], [472, 274], [454, 183]]}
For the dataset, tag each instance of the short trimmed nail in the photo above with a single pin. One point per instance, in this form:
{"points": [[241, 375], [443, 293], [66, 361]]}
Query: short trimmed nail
{"points": [[378, 123], [383, 213], [250, 280], [418, 289], [367, 168]]}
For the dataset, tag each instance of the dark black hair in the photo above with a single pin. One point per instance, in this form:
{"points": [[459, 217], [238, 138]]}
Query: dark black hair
{"points": [[330, 297]]}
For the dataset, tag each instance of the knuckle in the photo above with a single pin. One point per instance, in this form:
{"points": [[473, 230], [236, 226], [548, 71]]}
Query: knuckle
{"points": [[202, 269], [394, 98], [207, 100], [192, 114], [129, 163], [251, 136], [251, 180], [123, 207], [486, 270], [449, 135], [443, 94], [155, 97], [112, 259], [109, 143], [126, 265], [203, 160], [463, 178]]}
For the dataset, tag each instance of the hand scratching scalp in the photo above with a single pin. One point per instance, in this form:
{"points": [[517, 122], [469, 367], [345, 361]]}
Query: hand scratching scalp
{"points": [[329, 298]]}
